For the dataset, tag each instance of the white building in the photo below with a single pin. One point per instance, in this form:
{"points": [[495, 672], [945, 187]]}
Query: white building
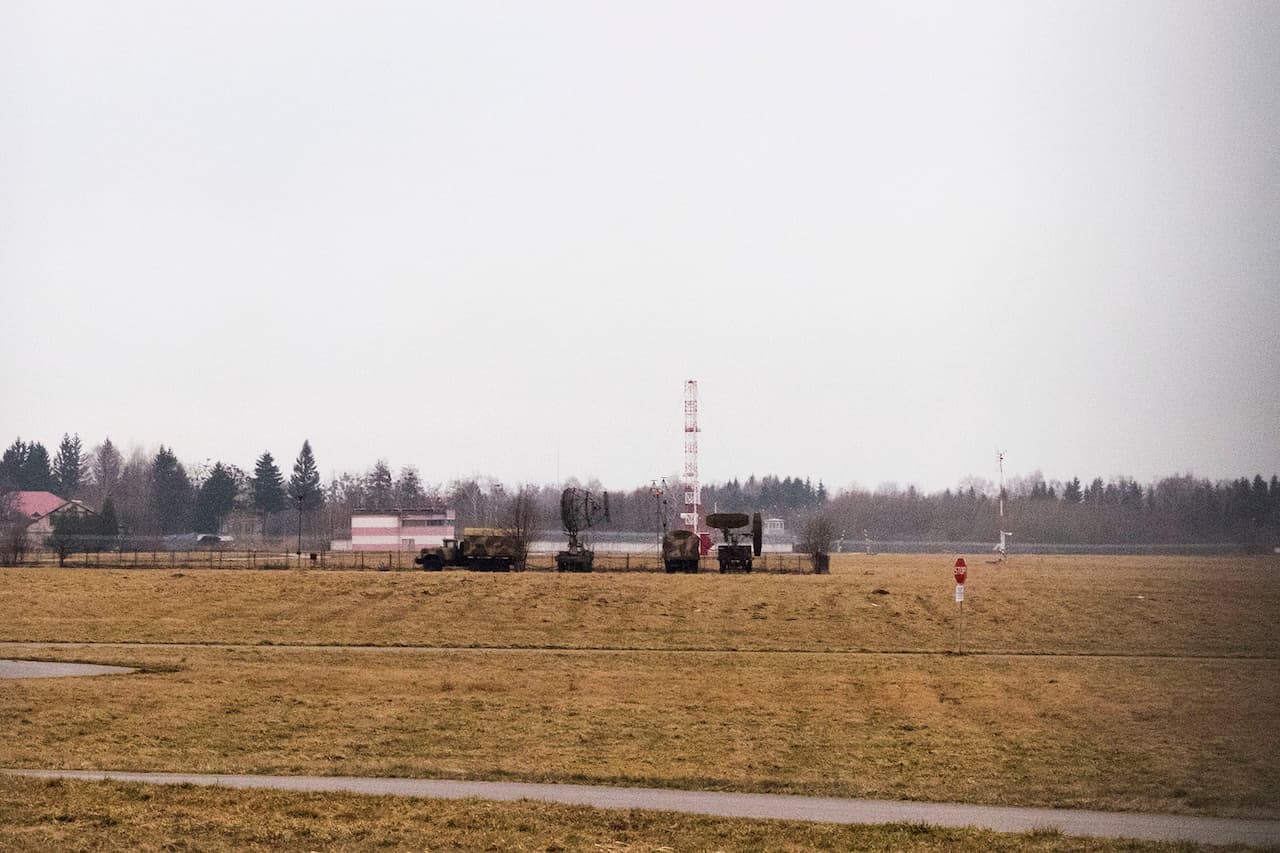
{"points": [[401, 529]]}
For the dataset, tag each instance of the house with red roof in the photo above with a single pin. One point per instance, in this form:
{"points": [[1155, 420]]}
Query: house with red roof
{"points": [[37, 510]]}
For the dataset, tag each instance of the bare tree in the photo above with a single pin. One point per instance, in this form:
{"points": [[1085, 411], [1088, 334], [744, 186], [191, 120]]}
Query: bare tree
{"points": [[815, 539], [13, 531], [522, 522]]}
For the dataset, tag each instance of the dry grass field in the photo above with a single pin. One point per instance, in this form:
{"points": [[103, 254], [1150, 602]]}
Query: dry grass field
{"points": [[1172, 606], [41, 816], [1118, 683], [1159, 735]]}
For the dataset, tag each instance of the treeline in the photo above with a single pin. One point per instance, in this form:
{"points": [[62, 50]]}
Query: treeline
{"points": [[156, 495], [1173, 510]]}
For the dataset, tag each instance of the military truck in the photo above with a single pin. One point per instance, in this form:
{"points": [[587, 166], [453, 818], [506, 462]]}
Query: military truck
{"points": [[482, 549], [735, 556], [681, 551]]}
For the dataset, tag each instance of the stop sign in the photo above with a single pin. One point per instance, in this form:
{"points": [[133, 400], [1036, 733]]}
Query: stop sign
{"points": [[962, 571]]}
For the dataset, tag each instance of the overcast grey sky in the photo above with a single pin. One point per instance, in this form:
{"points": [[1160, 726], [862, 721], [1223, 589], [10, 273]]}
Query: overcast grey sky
{"points": [[497, 237]]}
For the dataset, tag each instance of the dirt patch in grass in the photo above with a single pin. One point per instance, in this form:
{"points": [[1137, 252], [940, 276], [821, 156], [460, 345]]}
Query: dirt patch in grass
{"points": [[66, 815], [1054, 605]]}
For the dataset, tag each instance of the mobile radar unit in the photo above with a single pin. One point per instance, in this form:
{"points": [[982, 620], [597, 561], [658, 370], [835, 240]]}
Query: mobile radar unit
{"points": [[733, 554], [579, 510]]}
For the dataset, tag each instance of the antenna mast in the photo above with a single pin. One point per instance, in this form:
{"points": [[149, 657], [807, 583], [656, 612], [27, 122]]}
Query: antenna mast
{"points": [[1000, 462], [1003, 548], [692, 489]]}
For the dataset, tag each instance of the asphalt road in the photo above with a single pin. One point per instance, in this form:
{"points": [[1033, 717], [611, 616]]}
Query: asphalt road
{"points": [[49, 669], [1153, 827]]}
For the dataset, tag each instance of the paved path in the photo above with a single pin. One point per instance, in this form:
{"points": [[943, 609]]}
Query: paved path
{"points": [[1202, 830], [48, 669], [586, 650]]}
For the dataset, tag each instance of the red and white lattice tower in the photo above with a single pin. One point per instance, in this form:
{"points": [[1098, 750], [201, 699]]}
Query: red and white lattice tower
{"points": [[692, 489]]}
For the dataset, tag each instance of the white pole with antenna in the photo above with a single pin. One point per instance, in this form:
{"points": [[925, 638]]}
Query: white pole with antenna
{"points": [[1002, 548]]}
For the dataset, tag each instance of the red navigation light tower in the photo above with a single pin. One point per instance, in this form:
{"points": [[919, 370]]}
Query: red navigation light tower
{"points": [[692, 489]]}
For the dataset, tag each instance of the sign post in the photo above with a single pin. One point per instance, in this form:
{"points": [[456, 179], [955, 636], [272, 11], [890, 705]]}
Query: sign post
{"points": [[961, 572]]}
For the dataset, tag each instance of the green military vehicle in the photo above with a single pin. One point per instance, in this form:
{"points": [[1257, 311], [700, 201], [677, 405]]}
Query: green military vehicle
{"points": [[482, 549], [681, 551]]}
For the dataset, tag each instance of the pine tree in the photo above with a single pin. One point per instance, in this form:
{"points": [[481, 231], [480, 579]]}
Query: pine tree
{"points": [[106, 467], [408, 490], [69, 467], [215, 500], [268, 488], [37, 474], [1071, 492], [378, 487], [11, 466], [304, 485], [108, 526], [170, 497], [72, 531]]}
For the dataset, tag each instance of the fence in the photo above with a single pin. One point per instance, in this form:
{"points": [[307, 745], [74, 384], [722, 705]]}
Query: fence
{"points": [[779, 563]]}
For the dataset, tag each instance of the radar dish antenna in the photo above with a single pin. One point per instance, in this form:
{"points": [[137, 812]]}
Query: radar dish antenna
{"points": [[579, 511], [733, 524]]}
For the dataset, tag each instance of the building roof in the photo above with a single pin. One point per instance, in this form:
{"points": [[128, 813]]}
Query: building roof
{"points": [[430, 509], [37, 504]]}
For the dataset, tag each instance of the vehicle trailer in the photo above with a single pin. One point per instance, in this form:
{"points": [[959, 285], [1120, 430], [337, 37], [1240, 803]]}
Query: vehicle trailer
{"points": [[481, 549]]}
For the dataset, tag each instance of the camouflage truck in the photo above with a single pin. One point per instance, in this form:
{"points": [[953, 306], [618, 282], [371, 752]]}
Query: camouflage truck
{"points": [[483, 549], [681, 551]]}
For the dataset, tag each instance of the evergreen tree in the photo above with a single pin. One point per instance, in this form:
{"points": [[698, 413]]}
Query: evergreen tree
{"points": [[1071, 492], [304, 485], [37, 474], [106, 467], [108, 525], [268, 488], [216, 498], [72, 531], [408, 489], [378, 488], [11, 466], [69, 467], [170, 499]]}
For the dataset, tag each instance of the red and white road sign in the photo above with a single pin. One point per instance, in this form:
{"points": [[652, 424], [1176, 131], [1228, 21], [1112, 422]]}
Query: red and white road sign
{"points": [[962, 571]]}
